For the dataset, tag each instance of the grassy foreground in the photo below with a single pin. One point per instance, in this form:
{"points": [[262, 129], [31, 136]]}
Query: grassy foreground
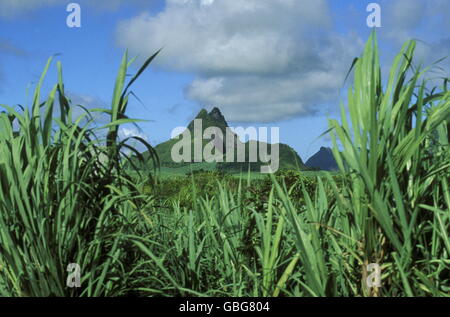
{"points": [[65, 197]]}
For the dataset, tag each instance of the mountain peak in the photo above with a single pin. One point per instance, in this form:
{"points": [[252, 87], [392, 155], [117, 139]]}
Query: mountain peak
{"points": [[216, 114], [323, 160], [202, 114], [288, 157], [212, 119]]}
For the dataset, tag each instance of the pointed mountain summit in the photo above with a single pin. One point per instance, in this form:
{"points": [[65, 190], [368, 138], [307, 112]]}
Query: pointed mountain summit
{"points": [[288, 157], [212, 119], [217, 116], [323, 160]]}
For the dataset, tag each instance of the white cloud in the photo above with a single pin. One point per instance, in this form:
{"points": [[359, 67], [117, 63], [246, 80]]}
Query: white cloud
{"points": [[256, 60], [126, 132], [88, 102], [406, 19], [255, 99], [403, 16], [235, 37], [426, 21]]}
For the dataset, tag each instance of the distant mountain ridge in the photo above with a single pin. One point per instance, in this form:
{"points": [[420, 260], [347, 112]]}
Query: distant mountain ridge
{"points": [[323, 160], [288, 157]]}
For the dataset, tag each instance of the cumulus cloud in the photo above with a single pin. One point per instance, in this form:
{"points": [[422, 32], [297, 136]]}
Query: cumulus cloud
{"points": [[256, 60], [88, 102], [125, 133], [402, 18], [132, 131], [234, 37], [407, 19], [426, 21]]}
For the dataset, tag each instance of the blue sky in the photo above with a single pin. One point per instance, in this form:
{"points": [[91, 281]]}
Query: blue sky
{"points": [[263, 63]]}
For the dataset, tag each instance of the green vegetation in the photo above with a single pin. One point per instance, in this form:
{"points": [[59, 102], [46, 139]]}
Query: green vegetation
{"points": [[66, 198]]}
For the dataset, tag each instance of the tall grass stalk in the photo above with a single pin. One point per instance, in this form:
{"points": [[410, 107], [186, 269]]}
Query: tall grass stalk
{"points": [[64, 195]]}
